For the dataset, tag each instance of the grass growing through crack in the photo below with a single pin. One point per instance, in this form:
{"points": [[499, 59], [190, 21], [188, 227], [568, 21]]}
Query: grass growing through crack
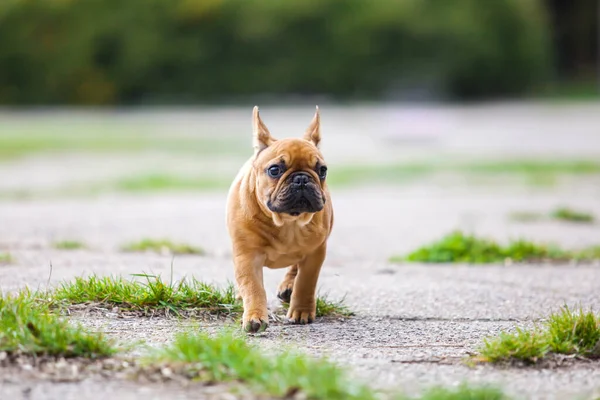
{"points": [[463, 392], [570, 215], [151, 294], [463, 248], [331, 308], [565, 332], [228, 357], [6, 258], [68, 245], [28, 327], [162, 246]]}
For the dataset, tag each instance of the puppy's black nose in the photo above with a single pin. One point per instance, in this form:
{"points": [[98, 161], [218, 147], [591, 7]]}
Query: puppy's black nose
{"points": [[300, 180]]}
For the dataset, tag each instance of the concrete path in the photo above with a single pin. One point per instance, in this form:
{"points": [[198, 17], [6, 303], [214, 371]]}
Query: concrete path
{"points": [[414, 324]]}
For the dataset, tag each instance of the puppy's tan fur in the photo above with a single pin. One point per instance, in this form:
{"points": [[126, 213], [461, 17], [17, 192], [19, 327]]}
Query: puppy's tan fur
{"points": [[261, 237]]}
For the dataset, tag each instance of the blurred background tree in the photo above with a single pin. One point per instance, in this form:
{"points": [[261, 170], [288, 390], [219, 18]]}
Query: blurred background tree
{"points": [[108, 52]]}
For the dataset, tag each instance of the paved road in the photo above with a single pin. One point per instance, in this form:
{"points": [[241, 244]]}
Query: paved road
{"points": [[414, 324]]}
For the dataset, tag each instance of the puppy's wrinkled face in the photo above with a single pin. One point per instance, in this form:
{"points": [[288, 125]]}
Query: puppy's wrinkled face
{"points": [[292, 177], [290, 173]]}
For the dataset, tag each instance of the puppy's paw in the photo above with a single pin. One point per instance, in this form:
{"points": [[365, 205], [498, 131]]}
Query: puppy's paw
{"points": [[284, 291], [301, 315], [255, 322]]}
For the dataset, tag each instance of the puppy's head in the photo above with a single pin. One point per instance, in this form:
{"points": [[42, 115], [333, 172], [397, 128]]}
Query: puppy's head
{"points": [[290, 173]]}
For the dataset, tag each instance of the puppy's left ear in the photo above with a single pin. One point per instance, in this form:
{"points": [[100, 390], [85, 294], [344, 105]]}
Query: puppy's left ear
{"points": [[313, 133]]}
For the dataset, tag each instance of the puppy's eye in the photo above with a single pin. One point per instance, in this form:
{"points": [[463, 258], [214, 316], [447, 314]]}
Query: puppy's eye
{"points": [[323, 172], [275, 171]]}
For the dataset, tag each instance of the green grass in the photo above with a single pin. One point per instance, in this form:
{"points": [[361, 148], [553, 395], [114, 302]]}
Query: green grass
{"points": [[21, 140], [331, 308], [28, 327], [570, 215], [573, 332], [523, 345], [463, 392], [229, 357], [535, 171], [526, 216], [6, 258], [458, 247], [588, 253], [163, 182], [69, 245], [150, 294], [161, 246], [565, 332]]}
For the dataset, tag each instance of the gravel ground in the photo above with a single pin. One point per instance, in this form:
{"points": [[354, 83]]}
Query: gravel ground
{"points": [[413, 325]]}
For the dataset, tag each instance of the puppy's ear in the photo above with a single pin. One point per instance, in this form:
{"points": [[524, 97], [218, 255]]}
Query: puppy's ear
{"points": [[261, 136], [313, 133]]}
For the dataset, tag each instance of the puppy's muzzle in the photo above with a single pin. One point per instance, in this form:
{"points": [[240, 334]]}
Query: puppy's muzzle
{"points": [[299, 194]]}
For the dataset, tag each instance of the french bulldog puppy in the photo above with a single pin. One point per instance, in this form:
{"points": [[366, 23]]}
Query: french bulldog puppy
{"points": [[279, 214]]}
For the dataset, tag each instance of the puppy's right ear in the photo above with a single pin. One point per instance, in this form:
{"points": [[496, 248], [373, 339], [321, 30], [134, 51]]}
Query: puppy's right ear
{"points": [[261, 136]]}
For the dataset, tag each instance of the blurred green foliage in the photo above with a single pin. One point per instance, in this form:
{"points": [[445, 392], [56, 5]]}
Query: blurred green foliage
{"points": [[145, 51]]}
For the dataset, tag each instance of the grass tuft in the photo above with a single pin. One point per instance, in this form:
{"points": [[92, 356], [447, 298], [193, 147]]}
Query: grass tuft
{"points": [[162, 246], [57, 136], [458, 247], [228, 357], [565, 332], [28, 327], [69, 245], [162, 182], [572, 332], [570, 215], [522, 345], [6, 258], [463, 392], [525, 216], [331, 308], [151, 294]]}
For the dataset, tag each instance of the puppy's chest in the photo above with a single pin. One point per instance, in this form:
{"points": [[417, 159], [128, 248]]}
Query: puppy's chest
{"points": [[290, 246]]}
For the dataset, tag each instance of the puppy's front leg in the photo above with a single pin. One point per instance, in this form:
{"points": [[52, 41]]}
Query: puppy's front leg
{"points": [[303, 304], [249, 280]]}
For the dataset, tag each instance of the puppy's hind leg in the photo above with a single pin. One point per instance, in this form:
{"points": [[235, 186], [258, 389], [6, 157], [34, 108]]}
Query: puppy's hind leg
{"points": [[284, 291]]}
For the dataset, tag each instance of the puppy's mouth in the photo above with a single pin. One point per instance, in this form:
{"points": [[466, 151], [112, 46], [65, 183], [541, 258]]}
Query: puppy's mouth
{"points": [[303, 205], [295, 207], [297, 203]]}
